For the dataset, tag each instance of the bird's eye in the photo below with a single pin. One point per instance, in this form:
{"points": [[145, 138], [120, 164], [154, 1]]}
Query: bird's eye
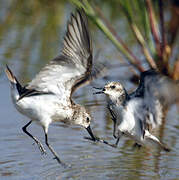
{"points": [[113, 87], [87, 119]]}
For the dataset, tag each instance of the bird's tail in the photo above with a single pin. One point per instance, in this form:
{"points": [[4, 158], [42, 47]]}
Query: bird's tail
{"points": [[155, 141], [16, 87], [10, 75]]}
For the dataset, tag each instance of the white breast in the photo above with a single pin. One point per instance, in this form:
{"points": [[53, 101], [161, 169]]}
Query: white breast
{"points": [[42, 107], [131, 113]]}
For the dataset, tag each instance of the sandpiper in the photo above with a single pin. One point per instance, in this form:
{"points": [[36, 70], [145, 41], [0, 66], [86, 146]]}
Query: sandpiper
{"points": [[136, 114], [48, 97]]}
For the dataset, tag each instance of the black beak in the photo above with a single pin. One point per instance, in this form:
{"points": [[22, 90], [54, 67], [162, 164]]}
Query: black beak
{"points": [[99, 92], [93, 138]]}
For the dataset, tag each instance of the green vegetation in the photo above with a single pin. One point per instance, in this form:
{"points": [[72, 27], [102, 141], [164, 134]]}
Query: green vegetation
{"points": [[149, 28]]}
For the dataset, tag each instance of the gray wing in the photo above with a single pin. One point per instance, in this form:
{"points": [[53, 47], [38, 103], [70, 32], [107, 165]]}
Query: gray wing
{"points": [[159, 91], [69, 70]]}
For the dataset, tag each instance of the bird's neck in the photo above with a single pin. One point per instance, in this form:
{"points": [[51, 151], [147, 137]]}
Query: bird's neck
{"points": [[117, 100], [77, 114], [120, 100]]}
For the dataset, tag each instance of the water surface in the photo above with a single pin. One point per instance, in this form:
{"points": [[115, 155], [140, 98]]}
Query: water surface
{"points": [[30, 35]]}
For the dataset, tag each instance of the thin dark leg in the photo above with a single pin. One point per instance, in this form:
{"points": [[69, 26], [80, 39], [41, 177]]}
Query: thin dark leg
{"points": [[116, 134], [100, 140], [53, 152], [114, 130], [34, 138], [114, 121], [117, 141]]}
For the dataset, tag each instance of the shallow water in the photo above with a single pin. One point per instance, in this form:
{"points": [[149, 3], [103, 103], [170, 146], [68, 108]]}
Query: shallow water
{"points": [[26, 44]]}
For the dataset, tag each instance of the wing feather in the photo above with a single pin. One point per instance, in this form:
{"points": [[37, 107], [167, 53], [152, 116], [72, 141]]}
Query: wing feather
{"points": [[157, 91], [73, 67]]}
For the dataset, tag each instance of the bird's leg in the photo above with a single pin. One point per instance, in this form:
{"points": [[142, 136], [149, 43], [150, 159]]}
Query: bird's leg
{"points": [[117, 141], [100, 140], [43, 151], [114, 121], [96, 139], [116, 133], [105, 142], [53, 152], [114, 129]]}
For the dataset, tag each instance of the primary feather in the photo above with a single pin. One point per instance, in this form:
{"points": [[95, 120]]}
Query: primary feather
{"points": [[67, 71]]}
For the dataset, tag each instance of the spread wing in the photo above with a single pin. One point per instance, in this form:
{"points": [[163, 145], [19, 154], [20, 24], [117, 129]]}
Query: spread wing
{"points": [[158, 91], [73, 66]]}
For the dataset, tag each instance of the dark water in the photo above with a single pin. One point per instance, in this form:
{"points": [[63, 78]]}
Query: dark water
{"points": [[30, 35]]}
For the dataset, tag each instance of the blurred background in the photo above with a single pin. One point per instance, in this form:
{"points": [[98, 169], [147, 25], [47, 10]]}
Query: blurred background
{"points": [[129, 37]]}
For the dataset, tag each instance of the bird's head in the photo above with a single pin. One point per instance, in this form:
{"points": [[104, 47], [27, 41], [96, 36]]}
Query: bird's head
{"points": [[114, 90], [83, 118]]}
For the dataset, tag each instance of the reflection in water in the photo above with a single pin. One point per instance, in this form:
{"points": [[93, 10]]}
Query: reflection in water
{"points": [[30, 34]]}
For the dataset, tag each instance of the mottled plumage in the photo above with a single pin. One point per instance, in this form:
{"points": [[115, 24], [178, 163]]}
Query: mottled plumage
{"points": [[140, 112], [48, 97]]}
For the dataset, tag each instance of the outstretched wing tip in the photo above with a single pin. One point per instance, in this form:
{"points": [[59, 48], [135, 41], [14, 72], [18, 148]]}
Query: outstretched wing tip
{"points": [[73, 66]]}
